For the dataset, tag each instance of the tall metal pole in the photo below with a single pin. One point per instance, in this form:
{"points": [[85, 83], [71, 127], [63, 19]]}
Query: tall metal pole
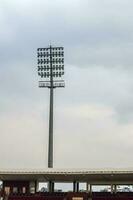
{"points": [[50, 62], [50, 143]]}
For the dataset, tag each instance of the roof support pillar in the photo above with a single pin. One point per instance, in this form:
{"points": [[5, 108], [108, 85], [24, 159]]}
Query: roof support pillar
{"points": [[88, 187], [75, 186], [51, 186], [36, 186], [113, 188]]}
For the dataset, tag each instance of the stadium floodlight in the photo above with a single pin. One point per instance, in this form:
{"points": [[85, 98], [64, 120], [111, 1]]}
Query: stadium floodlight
{"points": [[50, 63]]}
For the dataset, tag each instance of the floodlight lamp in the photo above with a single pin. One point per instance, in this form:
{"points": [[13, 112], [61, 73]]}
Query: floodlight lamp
{"points": [[48, 74], [38, 55], [44, 74], [39, 49], [39, 68], [39, 61], [40, 74], [46, 54]]}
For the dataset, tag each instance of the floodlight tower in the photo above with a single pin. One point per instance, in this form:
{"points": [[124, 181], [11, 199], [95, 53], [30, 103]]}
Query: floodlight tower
{"points": [[50, 62]]}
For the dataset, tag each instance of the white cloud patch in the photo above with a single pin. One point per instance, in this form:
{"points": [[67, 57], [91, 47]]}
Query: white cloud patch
{"points": [[90, 112]]}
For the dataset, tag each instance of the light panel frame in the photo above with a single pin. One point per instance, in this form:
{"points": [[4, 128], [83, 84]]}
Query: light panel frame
{"points": [[50, 63]]}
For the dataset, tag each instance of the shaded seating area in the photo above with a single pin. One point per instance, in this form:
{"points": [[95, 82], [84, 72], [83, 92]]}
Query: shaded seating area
{"points": [[114, 196], [50, 196], [72, 196], [37, 196]]}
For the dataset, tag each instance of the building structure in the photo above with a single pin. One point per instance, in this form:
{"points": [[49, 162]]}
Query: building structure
{"points": [[28, 180]]}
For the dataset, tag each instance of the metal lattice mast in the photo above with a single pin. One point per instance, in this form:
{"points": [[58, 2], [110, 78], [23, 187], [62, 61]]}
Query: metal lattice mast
{"points": [[51, 69]]}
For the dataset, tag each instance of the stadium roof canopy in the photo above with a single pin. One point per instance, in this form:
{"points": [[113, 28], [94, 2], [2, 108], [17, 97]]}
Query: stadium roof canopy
{"points": [[92, 176]]}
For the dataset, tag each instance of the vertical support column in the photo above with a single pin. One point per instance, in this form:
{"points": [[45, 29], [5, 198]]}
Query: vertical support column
{"points": [[77, 189], [36, 186], [113, 188], [51, 186], [50, 147], [89, 188], [74, 186]]}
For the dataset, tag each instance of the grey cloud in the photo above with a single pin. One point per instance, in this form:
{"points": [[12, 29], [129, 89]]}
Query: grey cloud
{"points": [[100, 30], [103, 86], [97, 36]]}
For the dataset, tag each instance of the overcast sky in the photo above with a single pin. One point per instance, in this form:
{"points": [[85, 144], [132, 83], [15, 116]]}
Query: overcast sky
{"points": [[93, 114]]}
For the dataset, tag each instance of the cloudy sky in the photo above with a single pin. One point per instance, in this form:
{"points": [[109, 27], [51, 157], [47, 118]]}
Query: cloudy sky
{"points": [[93, 114]]}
